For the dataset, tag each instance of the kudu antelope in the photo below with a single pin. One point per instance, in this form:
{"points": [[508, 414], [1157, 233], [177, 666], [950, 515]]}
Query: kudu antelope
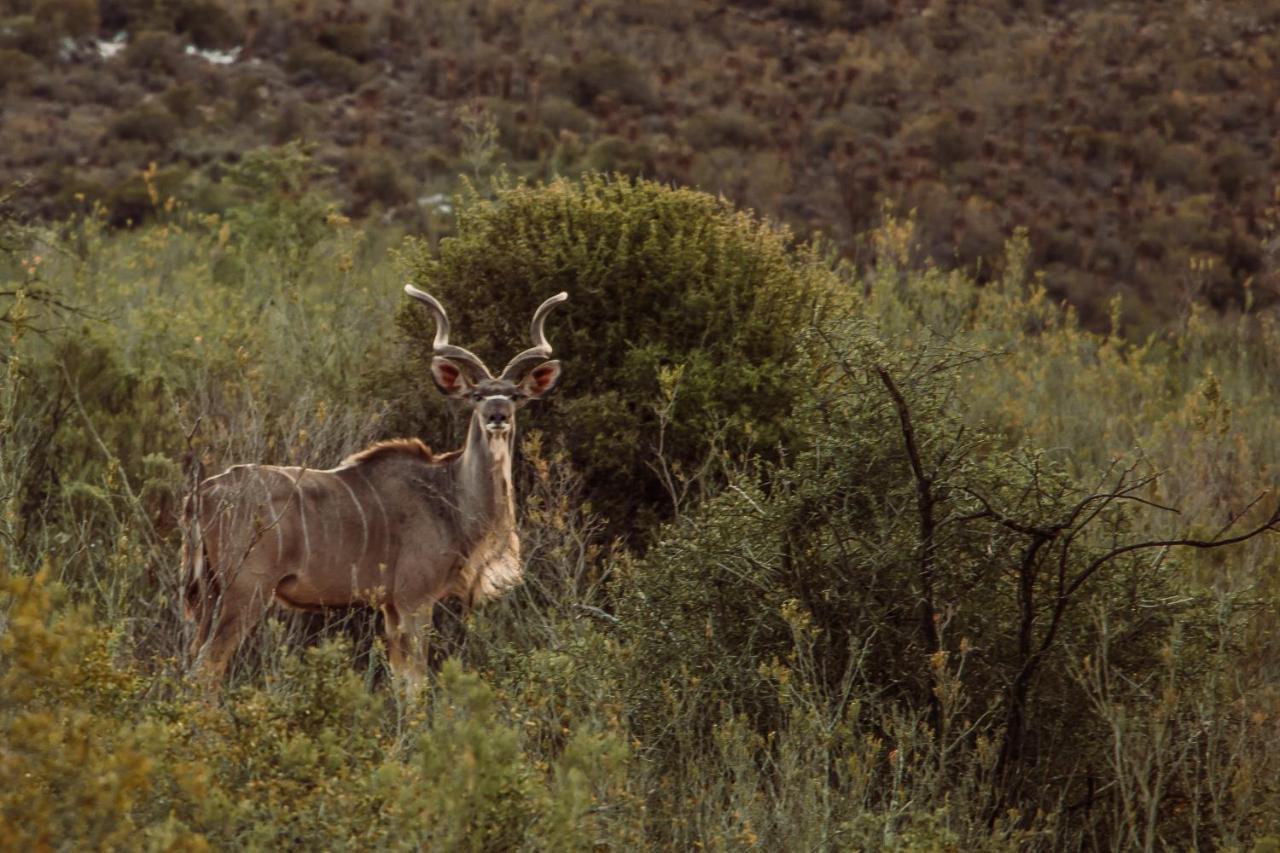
{"points": [[393, 527]]}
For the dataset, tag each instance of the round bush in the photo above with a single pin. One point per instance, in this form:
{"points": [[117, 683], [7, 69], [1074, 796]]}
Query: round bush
{"points": [[16, 69], [662, 282]]}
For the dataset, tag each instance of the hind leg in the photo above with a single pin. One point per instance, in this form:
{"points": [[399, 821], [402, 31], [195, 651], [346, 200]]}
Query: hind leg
{"points": [[238, 612], [197, 606]]}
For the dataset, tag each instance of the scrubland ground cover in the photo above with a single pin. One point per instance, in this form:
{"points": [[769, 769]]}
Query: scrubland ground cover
{"points": [[1128, 136], [819, 557]]}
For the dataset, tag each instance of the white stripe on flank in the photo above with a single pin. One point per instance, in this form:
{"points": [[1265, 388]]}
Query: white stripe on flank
{"points": [[364, 522], [274, 521], [275, 516], [386, 522], [302, 517], [279, 534]]}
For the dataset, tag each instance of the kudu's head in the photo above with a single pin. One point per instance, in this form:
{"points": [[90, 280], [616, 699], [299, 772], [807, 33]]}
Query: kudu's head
{"points": [[460, 374]]}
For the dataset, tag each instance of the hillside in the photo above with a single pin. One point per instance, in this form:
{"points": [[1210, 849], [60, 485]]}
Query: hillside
{"points": [[1135, 141]]}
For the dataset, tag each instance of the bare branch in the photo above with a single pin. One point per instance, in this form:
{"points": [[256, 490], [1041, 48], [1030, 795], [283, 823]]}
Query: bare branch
{"points": [[925, 505], [1271, 524]]}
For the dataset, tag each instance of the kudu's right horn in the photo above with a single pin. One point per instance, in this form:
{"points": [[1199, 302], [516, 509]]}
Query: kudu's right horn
{"points": [[541, 349]]}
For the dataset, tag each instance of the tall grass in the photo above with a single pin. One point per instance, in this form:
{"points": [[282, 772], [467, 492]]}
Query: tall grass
{"points": [[759, 677]]}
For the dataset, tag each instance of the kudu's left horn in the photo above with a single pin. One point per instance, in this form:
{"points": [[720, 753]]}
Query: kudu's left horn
{"points": [[441, 346]]}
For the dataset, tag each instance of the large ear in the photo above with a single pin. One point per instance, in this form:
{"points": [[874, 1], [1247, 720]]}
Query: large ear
{"points": [[541, 379], [449, 377]]}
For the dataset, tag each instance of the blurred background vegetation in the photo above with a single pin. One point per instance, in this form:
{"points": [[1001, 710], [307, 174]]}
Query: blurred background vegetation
{"points": [[1126, 137], [845, 531]]}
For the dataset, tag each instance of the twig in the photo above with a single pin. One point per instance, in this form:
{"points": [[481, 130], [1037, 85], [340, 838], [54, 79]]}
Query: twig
{"points": [[599, 614]]}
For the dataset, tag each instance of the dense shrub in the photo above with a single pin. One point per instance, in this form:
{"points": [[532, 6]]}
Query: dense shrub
{"points": [[677, 338], [146, 123], [90, 758], [310, 61], [351, 40], [139, 196], [209, 25], [280, 210], [904, 558], [606, 73], [183, 100], [26, 34], [558, 114], [379, 181], [834, 557], [154, 50], [610, 154], [724, 128], [16, 69], [68, 18]]}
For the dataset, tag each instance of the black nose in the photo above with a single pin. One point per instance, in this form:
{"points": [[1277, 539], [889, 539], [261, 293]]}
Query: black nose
{"points": [[497, 418]]}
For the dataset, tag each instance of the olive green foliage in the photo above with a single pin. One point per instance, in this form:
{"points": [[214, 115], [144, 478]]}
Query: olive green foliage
{"points": [[828, 571], [97, 755], [678, 337], [146, 124], [210, 25], [899, 620], [311, 61], [258, 310], [279, 210], [18, 68]]}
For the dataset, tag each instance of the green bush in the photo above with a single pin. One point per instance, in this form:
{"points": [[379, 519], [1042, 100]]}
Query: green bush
{"points": [[148, 123], [314, 759], [558, 114], [68, 18], [210, 25], [138, 197], [154, 50], [72, 768], [183, 100], [610, 154], [682, 322], [379, 181], [27, 34], [335, 69], [246, 96], [608, 73], [16, 69], [280, 212], [724, 128], [349, 40]]}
